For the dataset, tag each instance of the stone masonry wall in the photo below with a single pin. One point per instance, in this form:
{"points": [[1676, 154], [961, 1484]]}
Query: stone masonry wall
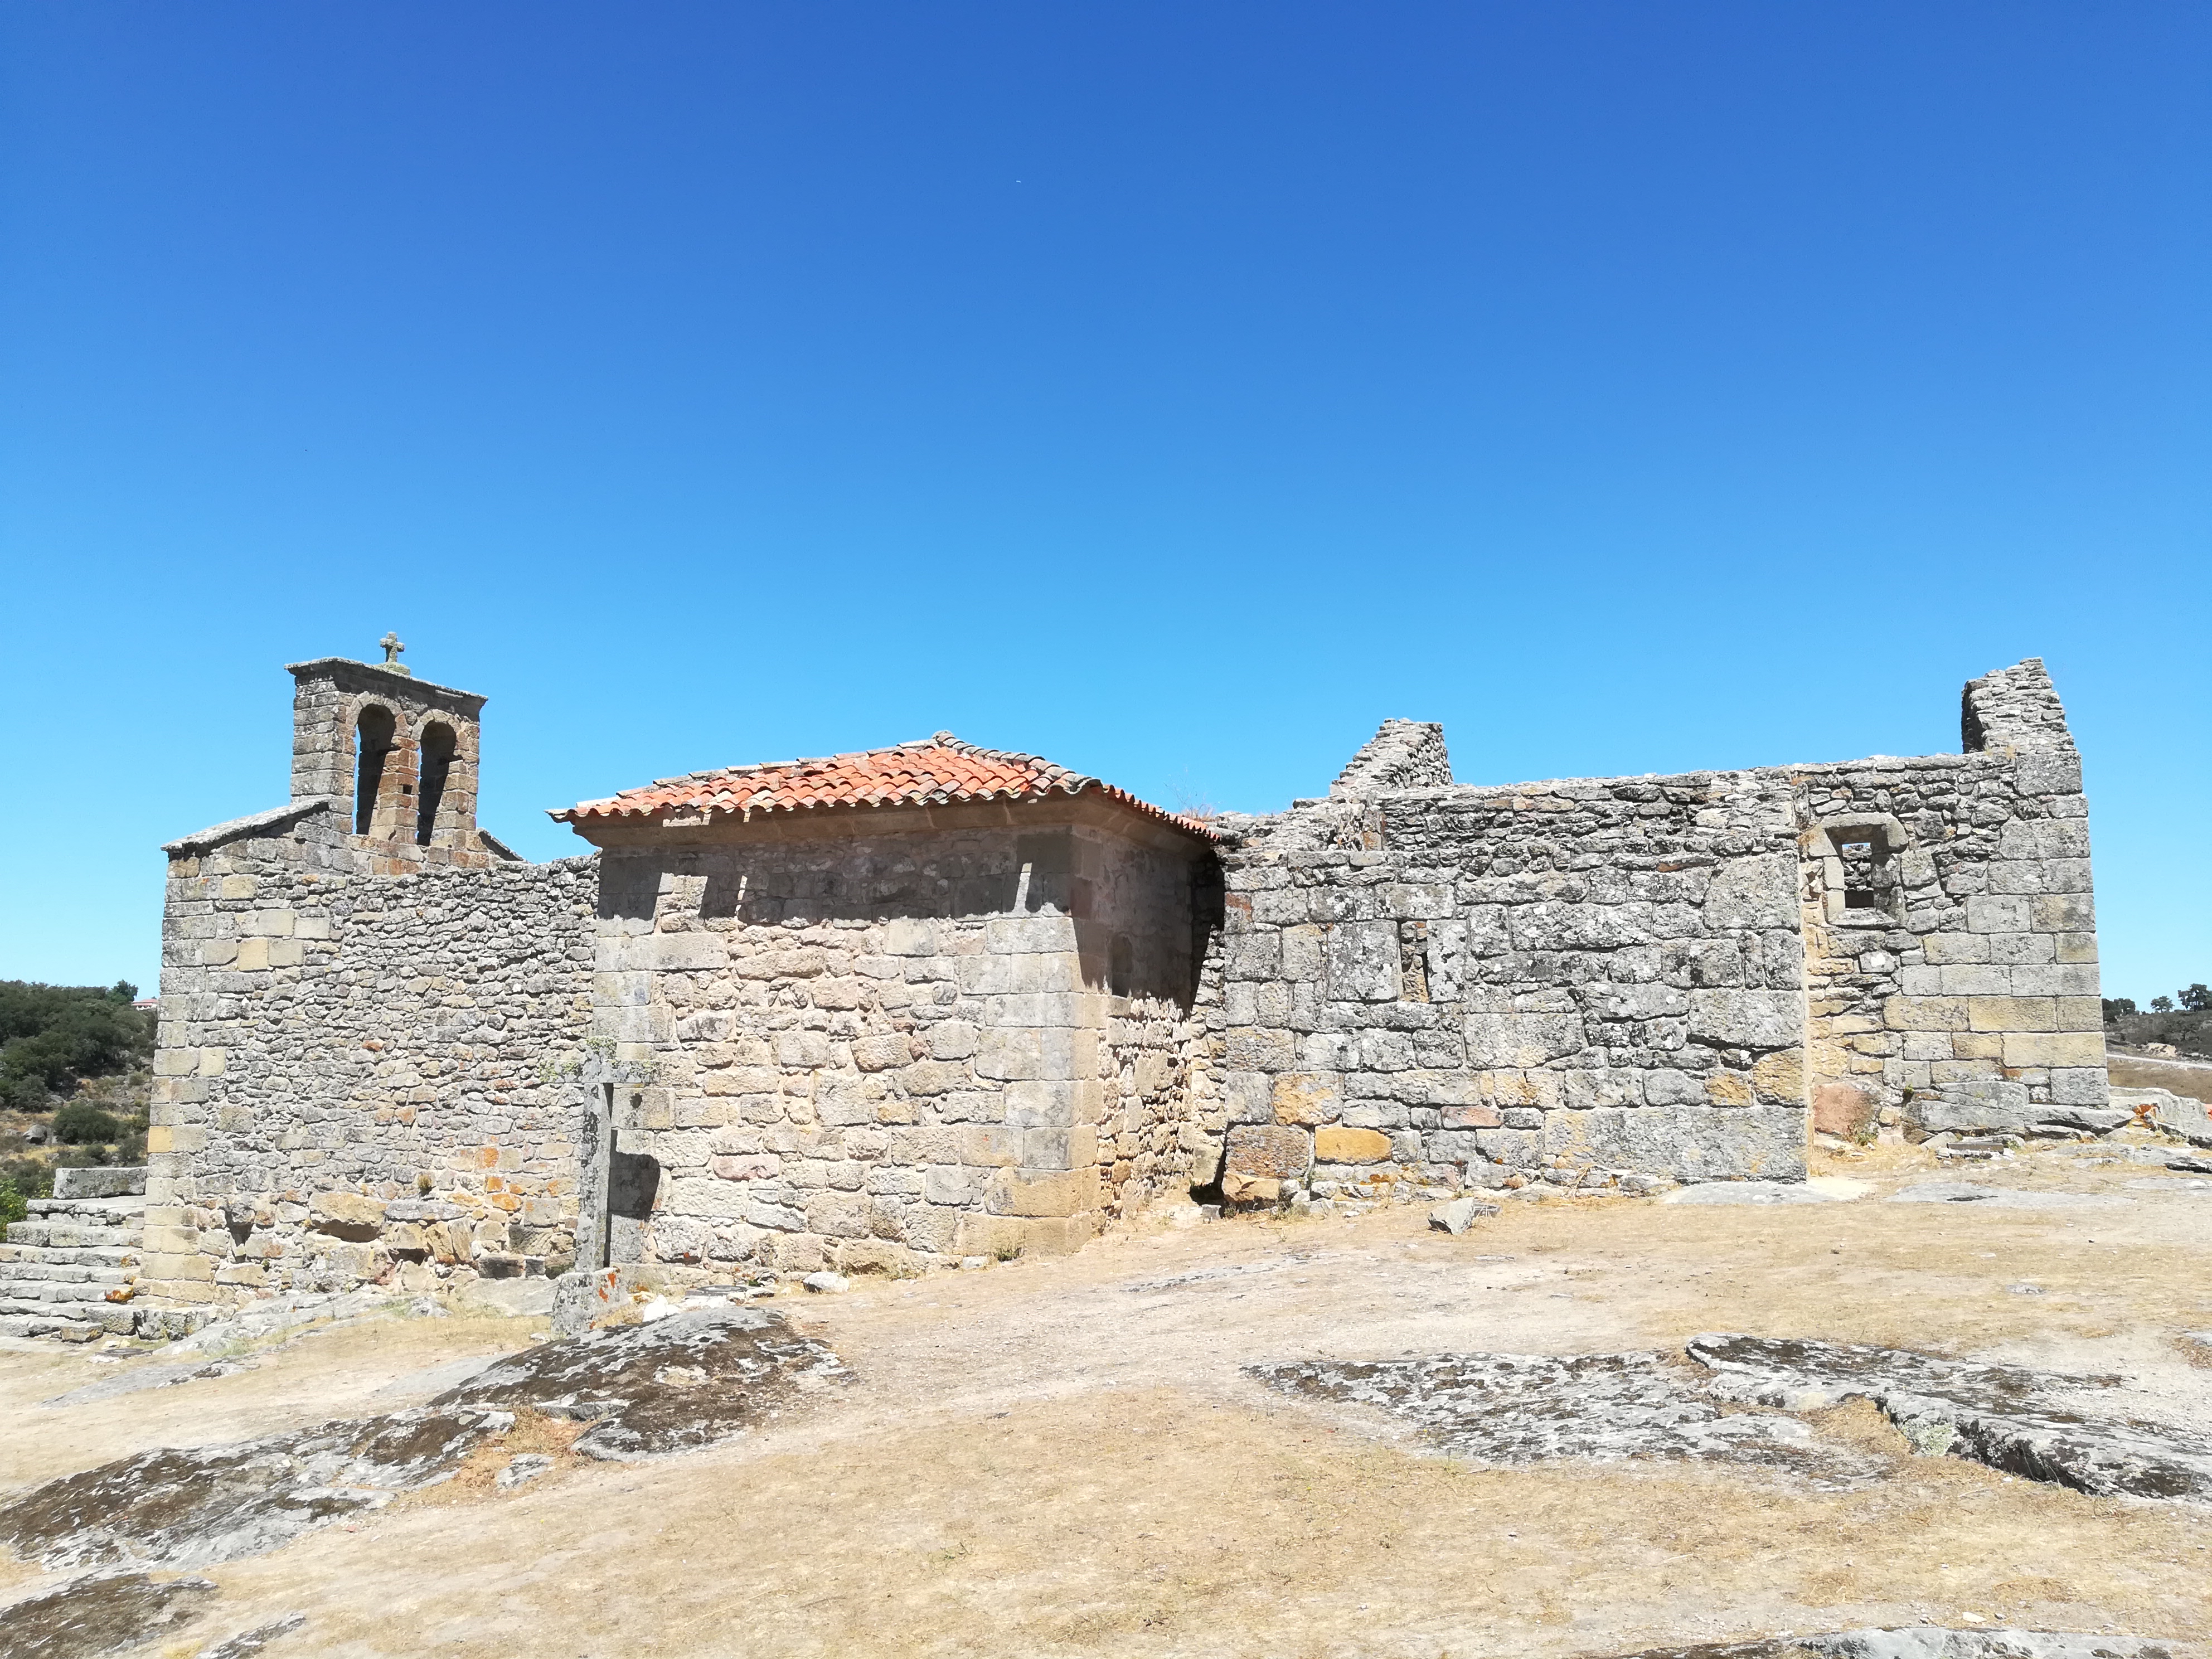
{"points": [[362, 1076], [869, 1050], [1968, 996], [1590, 981]]}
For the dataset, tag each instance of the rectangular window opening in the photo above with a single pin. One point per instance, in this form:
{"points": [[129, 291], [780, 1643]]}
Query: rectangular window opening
{"points": [[1869, 875]]}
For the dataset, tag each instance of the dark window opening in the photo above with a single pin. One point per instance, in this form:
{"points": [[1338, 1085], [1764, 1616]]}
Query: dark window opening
{"points": [[1122, 966], [372, 742], [1870, 875], [438, 747]]}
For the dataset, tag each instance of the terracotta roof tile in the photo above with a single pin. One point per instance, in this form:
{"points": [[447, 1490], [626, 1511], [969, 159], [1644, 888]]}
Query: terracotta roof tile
{"points": [[938, 770]]}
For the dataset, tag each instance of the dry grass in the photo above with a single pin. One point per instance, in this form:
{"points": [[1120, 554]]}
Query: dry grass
{"points": [[1036, 1461], [476, 1477], [1153, 1522], [2130, 1072]]}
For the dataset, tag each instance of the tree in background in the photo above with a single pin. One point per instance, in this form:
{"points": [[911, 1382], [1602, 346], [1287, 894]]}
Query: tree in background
{"points": [[2161, 1004], [2116, 1006], [54, 1036], [2196, 999]]}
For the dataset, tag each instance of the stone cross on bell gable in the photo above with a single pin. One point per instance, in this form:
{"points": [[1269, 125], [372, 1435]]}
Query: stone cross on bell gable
{"points": [[392, 648]]}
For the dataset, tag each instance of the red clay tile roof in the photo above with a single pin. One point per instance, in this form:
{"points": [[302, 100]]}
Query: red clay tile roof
{"points": [[928, 772]]}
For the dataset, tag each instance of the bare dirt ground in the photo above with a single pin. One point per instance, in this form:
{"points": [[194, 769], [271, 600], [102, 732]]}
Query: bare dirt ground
{"points": [[1064, 1457], [2193, 1077]]}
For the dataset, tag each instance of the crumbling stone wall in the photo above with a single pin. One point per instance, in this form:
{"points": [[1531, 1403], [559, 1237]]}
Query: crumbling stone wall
{"points": [[1401, 755], [362, 1076], [1614, 980], [863, 1050], [1575, 981], [1965, 995]]}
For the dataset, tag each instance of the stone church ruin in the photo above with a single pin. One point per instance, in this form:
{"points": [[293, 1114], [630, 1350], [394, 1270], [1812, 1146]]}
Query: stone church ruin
{"points": [[893, 1009]]}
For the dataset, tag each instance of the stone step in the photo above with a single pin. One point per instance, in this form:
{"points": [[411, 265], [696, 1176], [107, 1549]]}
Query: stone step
{"points": [[65, 1273], [30, 1297], [110, 1210], [59, 1235], [165, 1324], [115, 1315], [47, 1325], [81, 1255]]}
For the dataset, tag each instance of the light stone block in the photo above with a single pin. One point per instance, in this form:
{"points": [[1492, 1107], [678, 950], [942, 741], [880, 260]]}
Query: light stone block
{"points": [[2061, 1048]]}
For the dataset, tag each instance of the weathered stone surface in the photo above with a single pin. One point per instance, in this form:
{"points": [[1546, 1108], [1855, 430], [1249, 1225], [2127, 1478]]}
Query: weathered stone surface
{"points": [[1238, 1189], [1461, 1214], [1982, 1104], [1265, 1150], [2092, 1120], [112, 1613], [522, 1467], [2002, 1198], [2035, 1424], [99, 1181], [2183, 1116], [1305, 1099], [1338, 1144], [1522, 1408], [1843, 1109], [247, 1642], [693, 1379], [204, 1504], [1923, 1642], [1748, 1192]]}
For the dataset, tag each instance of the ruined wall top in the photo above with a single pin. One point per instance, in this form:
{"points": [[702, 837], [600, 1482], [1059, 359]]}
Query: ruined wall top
{"points": [[2015, 708], [1401, 755]]}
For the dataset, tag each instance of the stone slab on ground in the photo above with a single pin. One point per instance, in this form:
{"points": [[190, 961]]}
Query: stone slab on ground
{"points": [[1526, 1408], [247, 1642], [1749, 1192], [2002, 1198], [1924, 1642], [1461, 1214], [272, 1315], [697, 1377], [196, 1506], [100, 1614], [149, 1374], [2029, 1423], [2182, 1116]]}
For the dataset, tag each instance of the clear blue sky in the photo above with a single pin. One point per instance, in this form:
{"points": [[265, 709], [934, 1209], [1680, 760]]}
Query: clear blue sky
{"points": [[1175, 389]]}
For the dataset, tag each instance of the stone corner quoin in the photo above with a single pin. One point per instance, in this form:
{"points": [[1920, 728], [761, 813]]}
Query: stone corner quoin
{"points": [[884, 1010]]}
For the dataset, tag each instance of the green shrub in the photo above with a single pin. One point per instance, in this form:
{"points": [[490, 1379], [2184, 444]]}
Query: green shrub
{"points": [[79, 1125], [14, 1204], [29, 1176]]}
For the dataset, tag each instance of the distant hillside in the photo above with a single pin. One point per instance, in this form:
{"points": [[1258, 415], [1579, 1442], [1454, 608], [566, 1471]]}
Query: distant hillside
{"points": [[2185, 1022]]}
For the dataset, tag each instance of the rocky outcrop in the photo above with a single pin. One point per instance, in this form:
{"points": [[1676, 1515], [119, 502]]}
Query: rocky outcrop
{"points": [[678, 1384], [1522, 1408], [675, 1385], [2034, 1424]]}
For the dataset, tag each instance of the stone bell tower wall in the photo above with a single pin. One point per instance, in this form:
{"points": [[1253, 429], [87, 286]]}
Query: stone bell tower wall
{"points": [[414, 802], [361, 1077], [373, 1019]]}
